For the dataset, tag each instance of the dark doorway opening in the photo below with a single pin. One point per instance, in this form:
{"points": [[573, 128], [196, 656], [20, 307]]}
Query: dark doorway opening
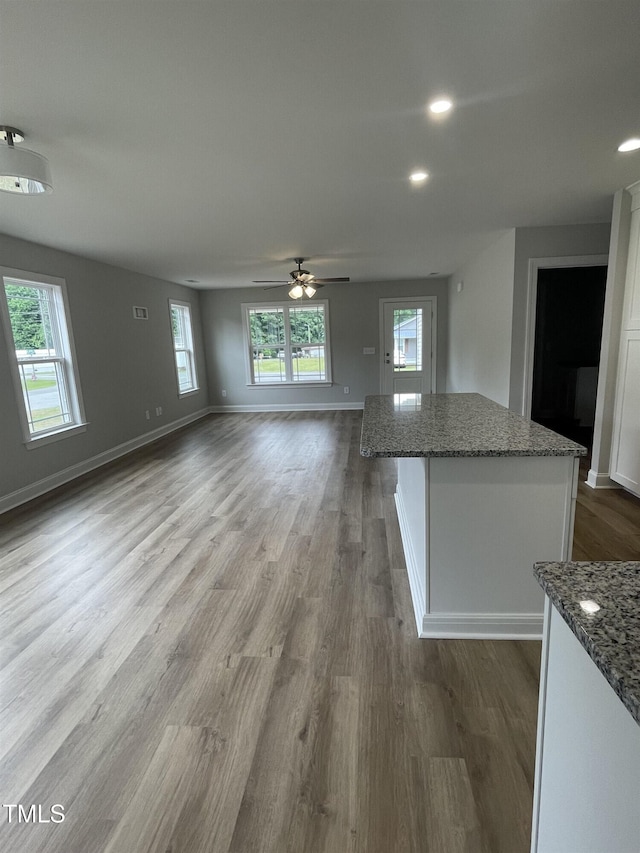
{"points": [[569, 315]]}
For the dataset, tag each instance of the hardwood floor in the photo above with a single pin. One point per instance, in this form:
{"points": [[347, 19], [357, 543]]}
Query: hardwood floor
{"points": [[209, 647]]}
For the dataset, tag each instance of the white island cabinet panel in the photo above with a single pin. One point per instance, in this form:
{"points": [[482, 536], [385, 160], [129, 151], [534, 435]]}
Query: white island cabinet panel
{"points": [[491, 519], [471, 530], [482, 494], [587, 776], [589, 788], [412, 495]]}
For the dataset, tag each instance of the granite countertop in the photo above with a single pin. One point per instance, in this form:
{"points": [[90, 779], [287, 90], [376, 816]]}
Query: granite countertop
{"points": [[454, 425], [611, 634]]}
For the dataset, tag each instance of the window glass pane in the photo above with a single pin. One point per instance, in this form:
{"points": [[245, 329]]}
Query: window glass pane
{"points": [[45, 395], [267, 325], [288, 343], [183, 365], [307, 325], [178, 322], [309, 363], [407, 339], [268, 365], [183, 346], [42, 349], [32, 320]]}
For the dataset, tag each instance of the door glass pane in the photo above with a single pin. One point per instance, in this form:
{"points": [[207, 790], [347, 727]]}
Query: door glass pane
{"points": [[407, 339]]}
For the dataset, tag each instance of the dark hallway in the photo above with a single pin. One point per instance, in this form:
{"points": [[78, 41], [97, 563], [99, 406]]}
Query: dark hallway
{"points": [[569, 312]]}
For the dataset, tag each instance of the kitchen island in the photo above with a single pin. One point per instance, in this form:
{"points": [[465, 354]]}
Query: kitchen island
{"points": [[587, 777], [482, 495]]}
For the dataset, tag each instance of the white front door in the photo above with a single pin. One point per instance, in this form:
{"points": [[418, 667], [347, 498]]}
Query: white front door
{"points": [[407, 336]]}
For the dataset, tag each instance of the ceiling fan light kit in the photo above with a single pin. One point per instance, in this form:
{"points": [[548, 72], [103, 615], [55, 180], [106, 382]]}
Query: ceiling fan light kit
{"points": [[21, 171], [304, 283], [296, 291]]}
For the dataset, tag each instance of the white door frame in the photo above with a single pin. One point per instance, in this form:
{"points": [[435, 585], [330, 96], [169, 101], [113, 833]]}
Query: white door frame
{"points": [[536, 264], [434, 325]]}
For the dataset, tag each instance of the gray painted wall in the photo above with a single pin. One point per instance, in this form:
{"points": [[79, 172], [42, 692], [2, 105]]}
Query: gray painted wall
{"points": [[125, 365], [480, 322], [487, 321], [354, 324]]}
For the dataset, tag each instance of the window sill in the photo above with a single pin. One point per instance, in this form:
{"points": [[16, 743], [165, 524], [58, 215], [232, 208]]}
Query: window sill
{"points": [[311, 384], [189, 393], [40, 441]]}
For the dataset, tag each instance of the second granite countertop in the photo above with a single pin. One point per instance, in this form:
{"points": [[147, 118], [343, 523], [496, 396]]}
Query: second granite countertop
{"points": [[600, 601], [454, 425]]}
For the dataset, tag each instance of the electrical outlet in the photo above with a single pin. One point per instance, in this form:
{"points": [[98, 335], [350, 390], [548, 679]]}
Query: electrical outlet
{"points": [[147, 414], [347, 390], [223, 392], [158, 411]]}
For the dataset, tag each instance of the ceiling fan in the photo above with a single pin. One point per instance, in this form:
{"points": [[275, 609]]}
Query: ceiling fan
{"points": [[303, 282]]}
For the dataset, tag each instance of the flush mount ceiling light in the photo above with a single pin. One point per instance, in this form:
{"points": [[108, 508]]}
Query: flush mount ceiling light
{"points": [[21, 170], [418, 177], [629, 145]]}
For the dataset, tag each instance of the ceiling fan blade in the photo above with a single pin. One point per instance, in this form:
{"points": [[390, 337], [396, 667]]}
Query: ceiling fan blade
{"points": [[270, 281], [276, 286], [327, 280]]}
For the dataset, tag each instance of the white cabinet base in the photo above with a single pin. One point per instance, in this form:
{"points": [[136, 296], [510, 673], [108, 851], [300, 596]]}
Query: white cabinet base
{"points": [[472, 528], [587, 780]]}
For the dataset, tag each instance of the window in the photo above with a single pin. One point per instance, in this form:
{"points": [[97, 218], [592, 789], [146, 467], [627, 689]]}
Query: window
{"points": [[41, 348], [183, 346], [287, 344], [407, 339]]}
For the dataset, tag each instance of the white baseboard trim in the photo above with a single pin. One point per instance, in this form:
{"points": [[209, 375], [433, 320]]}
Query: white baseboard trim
{"points": [[47, 484], [287, 407], [482, 626], [600, 481], [418, 593]]}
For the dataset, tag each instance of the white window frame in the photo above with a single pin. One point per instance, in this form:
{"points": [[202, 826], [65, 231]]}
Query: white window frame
{"points": [[187, 349], [289, 382], [65, 359]]}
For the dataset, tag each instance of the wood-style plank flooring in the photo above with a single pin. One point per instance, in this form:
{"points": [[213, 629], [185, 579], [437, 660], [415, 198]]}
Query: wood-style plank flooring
{"points": [[209, 647]]}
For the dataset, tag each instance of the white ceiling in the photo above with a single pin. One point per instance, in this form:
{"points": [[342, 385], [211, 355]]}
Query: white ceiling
{"points": [[214, 141]]}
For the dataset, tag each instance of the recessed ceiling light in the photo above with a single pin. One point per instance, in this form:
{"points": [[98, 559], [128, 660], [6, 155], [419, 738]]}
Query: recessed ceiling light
{"points": [[192, 280], [418, 177], [630, 145], [442, 105]]}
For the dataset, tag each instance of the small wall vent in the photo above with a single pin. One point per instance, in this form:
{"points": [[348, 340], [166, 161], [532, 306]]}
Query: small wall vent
{"points": [[140, 313]]}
